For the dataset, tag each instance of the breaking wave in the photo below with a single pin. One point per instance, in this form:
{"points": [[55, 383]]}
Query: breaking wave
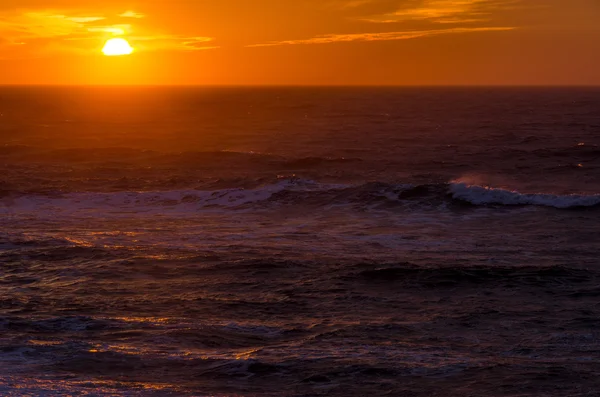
{"points": [[291, 191], [484, 195]]}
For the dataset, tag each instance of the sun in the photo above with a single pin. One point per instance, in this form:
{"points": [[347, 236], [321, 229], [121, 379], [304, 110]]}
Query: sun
{"points": [[116, 47]]}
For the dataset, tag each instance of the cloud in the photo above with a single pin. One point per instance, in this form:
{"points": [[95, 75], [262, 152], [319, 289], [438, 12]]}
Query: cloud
{"points": [[445, 11], [434, 9], [386, 36], [117, 30], [198, 43], [355, 3], [450, 21], [173, 42], [39, 24], [85, 19], [366, 7], [132, 14]]}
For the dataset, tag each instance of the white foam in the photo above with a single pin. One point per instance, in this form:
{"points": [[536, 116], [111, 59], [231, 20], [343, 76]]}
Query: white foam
{"points": [[481, 195]]}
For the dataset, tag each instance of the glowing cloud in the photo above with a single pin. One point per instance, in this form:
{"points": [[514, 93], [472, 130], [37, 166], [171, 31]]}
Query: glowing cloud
{"points": [[132, 14], [446, 11], [85, 19], [387, 36], [117, 30]]}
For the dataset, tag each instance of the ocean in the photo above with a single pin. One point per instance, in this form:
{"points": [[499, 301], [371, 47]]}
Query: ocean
{"points": [[172, 241]]}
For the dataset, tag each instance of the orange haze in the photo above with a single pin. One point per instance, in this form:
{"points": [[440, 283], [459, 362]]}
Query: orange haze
{"points": [[303, 42]]}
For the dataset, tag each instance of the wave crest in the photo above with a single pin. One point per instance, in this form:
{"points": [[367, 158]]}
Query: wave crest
{"points": [[485, 195]]}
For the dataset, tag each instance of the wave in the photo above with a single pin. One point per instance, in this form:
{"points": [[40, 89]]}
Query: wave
{"points": [[484, 195], [290, 192]]}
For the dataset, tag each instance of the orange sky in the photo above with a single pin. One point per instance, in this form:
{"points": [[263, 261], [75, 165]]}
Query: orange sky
{"points": [[306, 42]]}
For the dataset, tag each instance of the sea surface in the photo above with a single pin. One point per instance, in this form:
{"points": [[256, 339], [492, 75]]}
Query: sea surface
{"points": [[299, 241]]}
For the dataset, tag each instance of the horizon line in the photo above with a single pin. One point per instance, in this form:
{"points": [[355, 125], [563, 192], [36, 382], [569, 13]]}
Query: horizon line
{"points": [[311, 85]]}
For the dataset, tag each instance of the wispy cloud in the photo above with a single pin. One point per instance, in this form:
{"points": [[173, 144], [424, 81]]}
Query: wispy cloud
{"points": [[355, 3], [41, 24], [386, 36], [132, 14], [117, 30], [434, 9], [198, 43], [445, 11], [173, 42], [84, 19]]}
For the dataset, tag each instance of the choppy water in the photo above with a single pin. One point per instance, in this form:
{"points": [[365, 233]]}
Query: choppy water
{"points": [[299, 242]]}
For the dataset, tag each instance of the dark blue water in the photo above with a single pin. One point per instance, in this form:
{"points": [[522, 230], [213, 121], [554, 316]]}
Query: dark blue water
{"points": [[299, 241]]}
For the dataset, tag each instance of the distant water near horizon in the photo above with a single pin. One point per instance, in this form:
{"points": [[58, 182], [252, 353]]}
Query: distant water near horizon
{"points": [[172, 241]]}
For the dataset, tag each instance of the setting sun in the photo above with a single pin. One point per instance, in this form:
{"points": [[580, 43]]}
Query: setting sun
{"points": [[116, 47]]}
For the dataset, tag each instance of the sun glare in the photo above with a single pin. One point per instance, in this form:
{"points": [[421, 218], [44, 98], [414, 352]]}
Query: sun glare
{"points": [[116, 47]]}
